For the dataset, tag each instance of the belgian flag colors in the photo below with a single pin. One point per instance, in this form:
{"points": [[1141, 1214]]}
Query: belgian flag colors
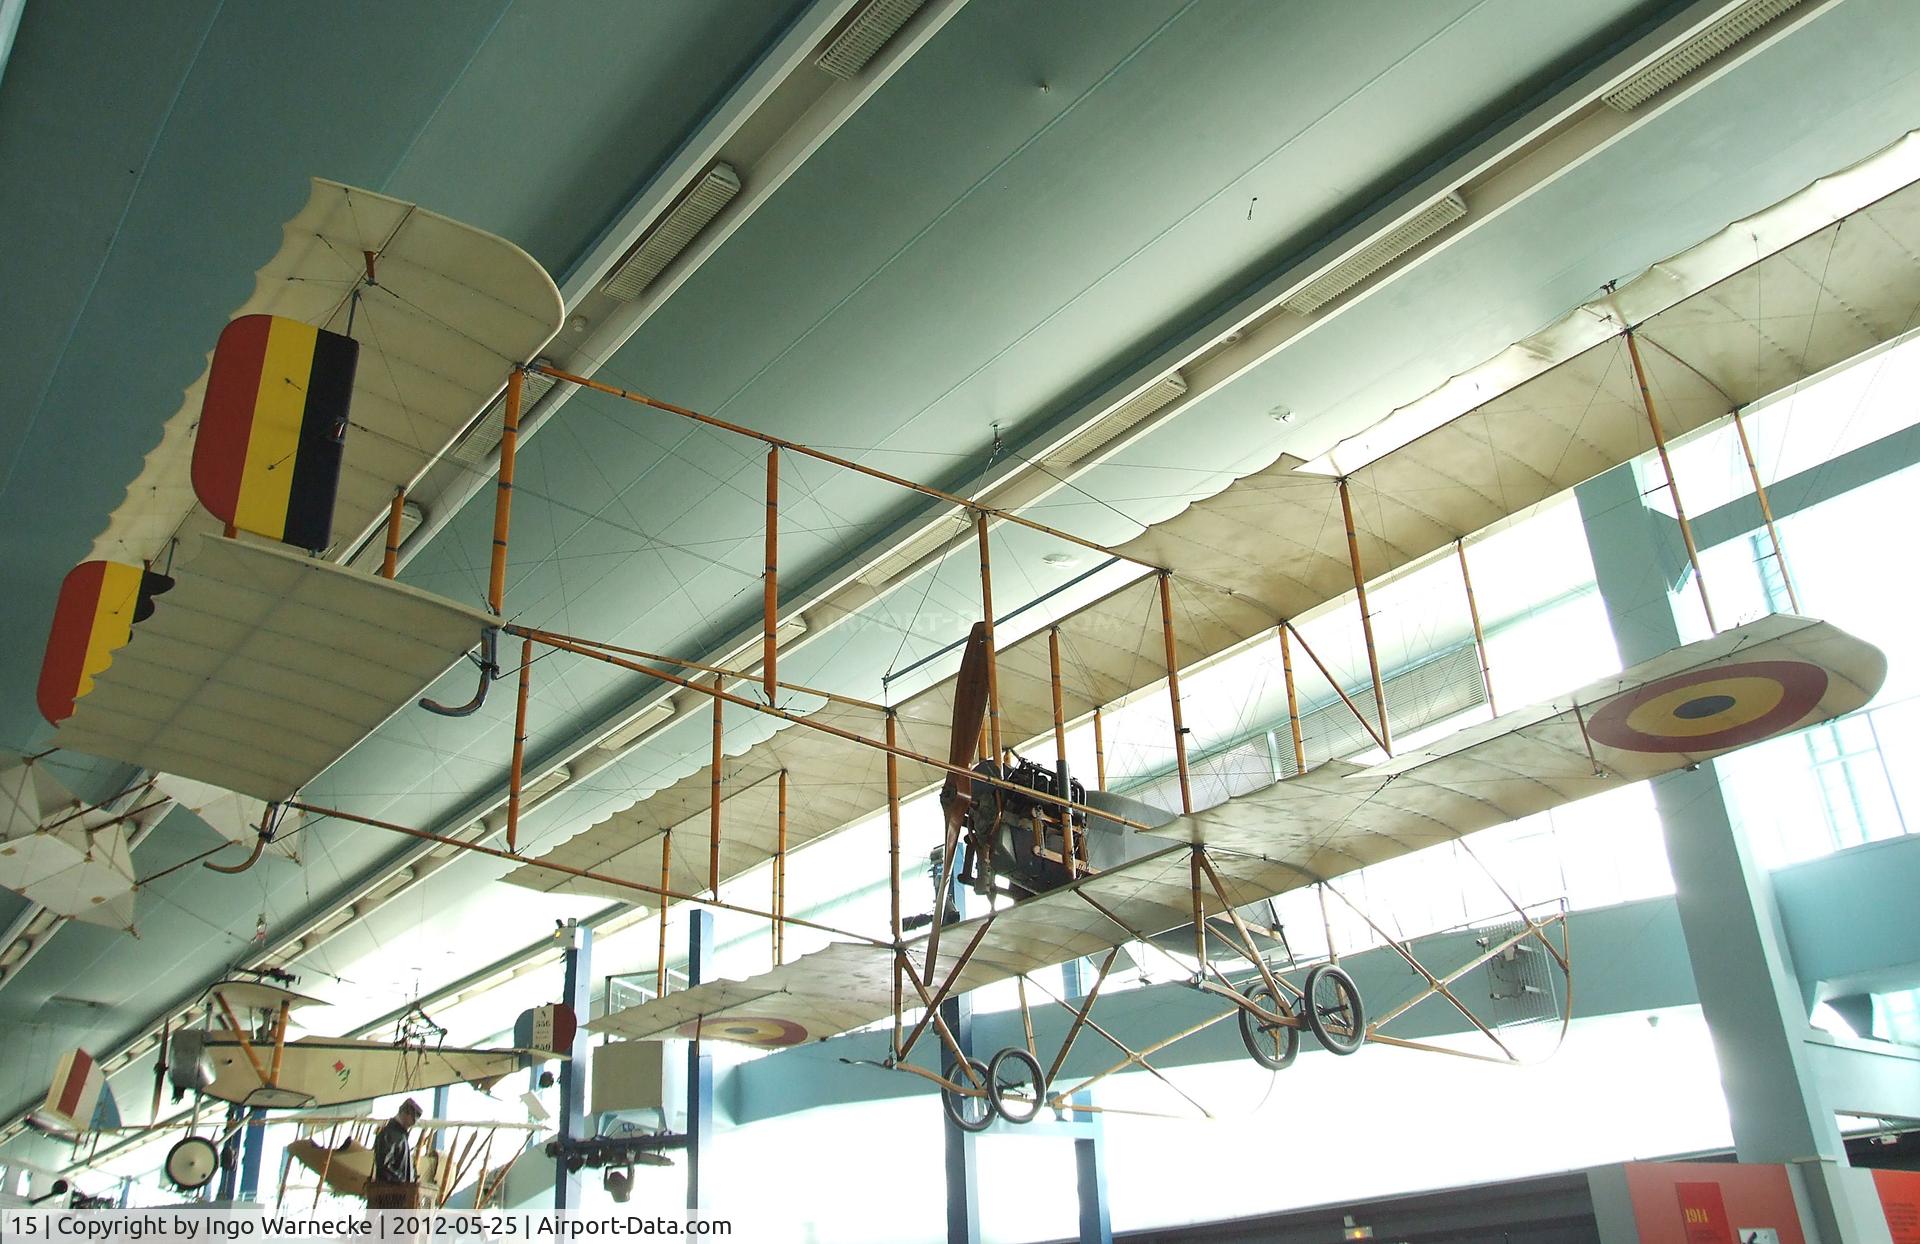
{"points": [[273, 427], [98, 606]]}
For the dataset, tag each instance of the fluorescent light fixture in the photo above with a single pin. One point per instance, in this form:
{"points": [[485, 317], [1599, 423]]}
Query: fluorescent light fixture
{"points": [[790, 630], [374, 551], [639, 725], [892, 565], [1698, 52], [676, 229], [1155, 397], [477, 446], [861, 36], [1371, 258]]}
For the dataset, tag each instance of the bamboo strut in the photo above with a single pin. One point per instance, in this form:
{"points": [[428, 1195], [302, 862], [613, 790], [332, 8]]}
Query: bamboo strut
{"points": [[713, 820], [893, 863], [770, 605], [517, 771], [666, 879], [795, 447], [389, 564], [780, 880], [568, 644], [246, 1046], [993, 655], [1099, 752], [1080, 1014], [1434, 983], [1335, 684], [724, 672], [1766, 510], [1666, 466], [279, 1043], [1173, 691], [1385, 734], [1293, 699], [953, 974], [585, 874], [1479, 636], [503, 497]]}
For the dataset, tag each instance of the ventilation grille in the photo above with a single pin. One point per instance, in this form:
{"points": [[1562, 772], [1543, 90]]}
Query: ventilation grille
{"points": [[1358, 267], [1156, 396], [374, 551], [864, 34], [642, 722], [477, 446], [895, 563], [676, 229], [1698, 52]]}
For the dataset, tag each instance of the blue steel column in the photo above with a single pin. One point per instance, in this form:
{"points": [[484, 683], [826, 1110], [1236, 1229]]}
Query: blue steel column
{"points": [[1090, 1150], [230, 1157], [578, 994], [962, 1157], [699, 1065], [252, 1149], [1748, 990]]}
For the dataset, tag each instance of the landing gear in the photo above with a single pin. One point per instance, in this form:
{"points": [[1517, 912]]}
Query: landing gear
{"points": [[1334, 1010], [1273, 1046], [971, 1111], [1016, 1085]]}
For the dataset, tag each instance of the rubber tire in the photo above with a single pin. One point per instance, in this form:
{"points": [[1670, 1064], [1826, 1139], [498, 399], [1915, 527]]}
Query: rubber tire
{"points": [[1335, 1042], [1252, 1031], [955, 1104], [192, 1143], [1017, 1054]]}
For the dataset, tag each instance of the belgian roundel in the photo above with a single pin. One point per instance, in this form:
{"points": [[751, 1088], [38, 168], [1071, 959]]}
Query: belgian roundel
{"points": [[273, 426], [99, 604], [1711, 710]]}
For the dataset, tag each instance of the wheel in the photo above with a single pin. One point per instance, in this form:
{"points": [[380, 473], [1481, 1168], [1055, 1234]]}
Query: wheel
{"points": [[1334, 1010], [970, 1112], [1273, 1046], [1016, 1085], [192, 1162]]}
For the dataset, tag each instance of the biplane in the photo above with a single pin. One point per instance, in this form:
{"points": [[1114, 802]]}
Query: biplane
{"points": [[208, 618], [244, 1057]]}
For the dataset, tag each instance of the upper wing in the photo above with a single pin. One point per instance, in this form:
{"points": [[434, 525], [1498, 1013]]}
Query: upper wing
{"points": [[1751, 683]]}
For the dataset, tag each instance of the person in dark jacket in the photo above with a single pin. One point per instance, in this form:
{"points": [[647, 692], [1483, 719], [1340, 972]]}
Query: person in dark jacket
{"points": [[393, 1161]]}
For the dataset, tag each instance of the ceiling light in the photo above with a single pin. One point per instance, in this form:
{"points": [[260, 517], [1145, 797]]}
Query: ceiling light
{"points": [[639, 725], [1698, 52], [1150, 400], [374, 551], [673, 232], [790, 630], [892, 565], [1370, 259], [861, 36], [478, 444]]}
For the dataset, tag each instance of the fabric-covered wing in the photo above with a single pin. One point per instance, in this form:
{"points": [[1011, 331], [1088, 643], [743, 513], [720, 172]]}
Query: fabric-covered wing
{"points": [[262, 667], [1330, 821], [1272, 545], [450, 311], [327, 1072]]}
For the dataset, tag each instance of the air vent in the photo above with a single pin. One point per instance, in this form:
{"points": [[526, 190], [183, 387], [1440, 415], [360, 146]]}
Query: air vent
{"points": [[891, 566], [1358, 267], [477, 446], [1156, 396], [1698, 52], [865, 31], [676, 229], [643, 723]]}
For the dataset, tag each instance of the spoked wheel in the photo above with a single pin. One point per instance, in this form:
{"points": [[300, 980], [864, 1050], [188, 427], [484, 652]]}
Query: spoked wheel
{"points": [[1016, 1084], [970, 1112], [1334, 1010], [1273, 1046]]}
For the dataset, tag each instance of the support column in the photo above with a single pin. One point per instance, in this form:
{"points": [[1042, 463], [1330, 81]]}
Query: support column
{"points": [[699, 1064], [1737, 948], [252, 1150], [962, 1154], [1089, 1150], [577, 992]]}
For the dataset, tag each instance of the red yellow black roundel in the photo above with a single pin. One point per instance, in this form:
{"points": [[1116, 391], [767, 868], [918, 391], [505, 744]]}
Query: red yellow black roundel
{"points": [[98, 606], [1712, 709], [266, 458], [762, 1030]]}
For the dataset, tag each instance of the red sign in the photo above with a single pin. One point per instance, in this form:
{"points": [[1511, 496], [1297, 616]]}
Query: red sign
{"points": [[1900, 1199], [1704, 1213]]}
